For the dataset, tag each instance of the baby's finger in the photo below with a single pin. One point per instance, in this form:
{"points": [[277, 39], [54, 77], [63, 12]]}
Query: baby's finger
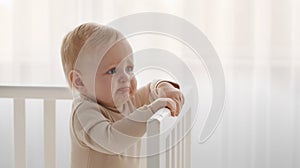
{"points": [[178, 107], [161, 103], [182, 99], [171, 105]]}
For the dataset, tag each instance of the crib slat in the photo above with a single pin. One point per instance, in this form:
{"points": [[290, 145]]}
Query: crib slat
{"points": [[178, 146], [187, 139], [177, 154], [49, 134], [173, 148], [182, 149], [153, 144], [19, 133], [168, 153]]}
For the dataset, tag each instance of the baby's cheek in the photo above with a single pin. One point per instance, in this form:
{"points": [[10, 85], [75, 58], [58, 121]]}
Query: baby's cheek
{"points": [[133, 85]]}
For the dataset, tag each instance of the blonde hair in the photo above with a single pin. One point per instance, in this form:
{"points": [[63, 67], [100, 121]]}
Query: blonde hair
{"points": [[75, 40]]}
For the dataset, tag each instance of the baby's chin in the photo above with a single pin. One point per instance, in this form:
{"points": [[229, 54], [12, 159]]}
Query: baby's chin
{"points": [[122, 97]]}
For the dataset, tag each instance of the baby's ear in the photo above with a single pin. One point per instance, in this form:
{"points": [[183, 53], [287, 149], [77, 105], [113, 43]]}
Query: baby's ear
{"points": [[76, 80]]}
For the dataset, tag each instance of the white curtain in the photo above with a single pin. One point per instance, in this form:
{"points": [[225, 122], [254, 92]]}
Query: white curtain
{"points": [[258, 42]]}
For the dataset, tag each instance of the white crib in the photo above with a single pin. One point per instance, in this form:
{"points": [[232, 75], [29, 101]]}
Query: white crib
{"points": [[171, 149]]}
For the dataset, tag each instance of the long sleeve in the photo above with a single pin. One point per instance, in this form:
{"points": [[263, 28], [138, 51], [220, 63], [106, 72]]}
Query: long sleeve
{"points": [[148, 93], [115, 133], [97, 132]]}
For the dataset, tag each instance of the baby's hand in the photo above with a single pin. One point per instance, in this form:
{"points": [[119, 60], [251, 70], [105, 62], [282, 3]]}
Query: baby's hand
{"points": [[163, 102], [167, 90]]}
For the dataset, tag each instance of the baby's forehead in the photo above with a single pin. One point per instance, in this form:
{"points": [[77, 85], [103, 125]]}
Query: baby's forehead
{"points": [[99, 49], [117, 55]]}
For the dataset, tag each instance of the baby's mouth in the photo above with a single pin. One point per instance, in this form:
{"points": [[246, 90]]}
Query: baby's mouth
{"points": [[124, 89]]}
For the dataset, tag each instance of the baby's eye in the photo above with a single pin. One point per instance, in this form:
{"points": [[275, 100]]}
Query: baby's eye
{"points": [[129, 69], [111, 71]]}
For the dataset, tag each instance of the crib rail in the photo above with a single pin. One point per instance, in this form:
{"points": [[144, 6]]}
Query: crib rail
{"points": [[31, 92], [169, 140], [49, 95], [176, 157]]}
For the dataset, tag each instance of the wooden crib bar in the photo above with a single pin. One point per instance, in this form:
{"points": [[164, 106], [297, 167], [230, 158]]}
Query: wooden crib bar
{"points": [[49, 95], [31, 92], [177, 157], [19, 133], [171, 149], [50, 136]]}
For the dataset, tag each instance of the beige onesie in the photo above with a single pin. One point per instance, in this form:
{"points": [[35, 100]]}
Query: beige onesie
{"points": [[105, 138]]}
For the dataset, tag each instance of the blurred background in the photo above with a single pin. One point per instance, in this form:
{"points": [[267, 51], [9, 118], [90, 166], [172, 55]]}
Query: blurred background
{"points": [[258, 43]]}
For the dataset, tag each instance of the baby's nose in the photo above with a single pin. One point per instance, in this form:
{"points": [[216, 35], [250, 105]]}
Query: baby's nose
{"points": [[124, 76]]}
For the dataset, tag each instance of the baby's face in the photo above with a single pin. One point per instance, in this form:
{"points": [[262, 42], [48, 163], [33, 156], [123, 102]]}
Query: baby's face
{"points": [[115, 81]]}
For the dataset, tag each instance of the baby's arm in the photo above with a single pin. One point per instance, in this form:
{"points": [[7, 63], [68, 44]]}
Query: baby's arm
{"points": [[93, 130], [156, 90]]}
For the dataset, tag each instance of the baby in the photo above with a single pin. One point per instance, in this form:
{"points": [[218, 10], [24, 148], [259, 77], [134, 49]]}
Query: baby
{"points": [[109, 113]]}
